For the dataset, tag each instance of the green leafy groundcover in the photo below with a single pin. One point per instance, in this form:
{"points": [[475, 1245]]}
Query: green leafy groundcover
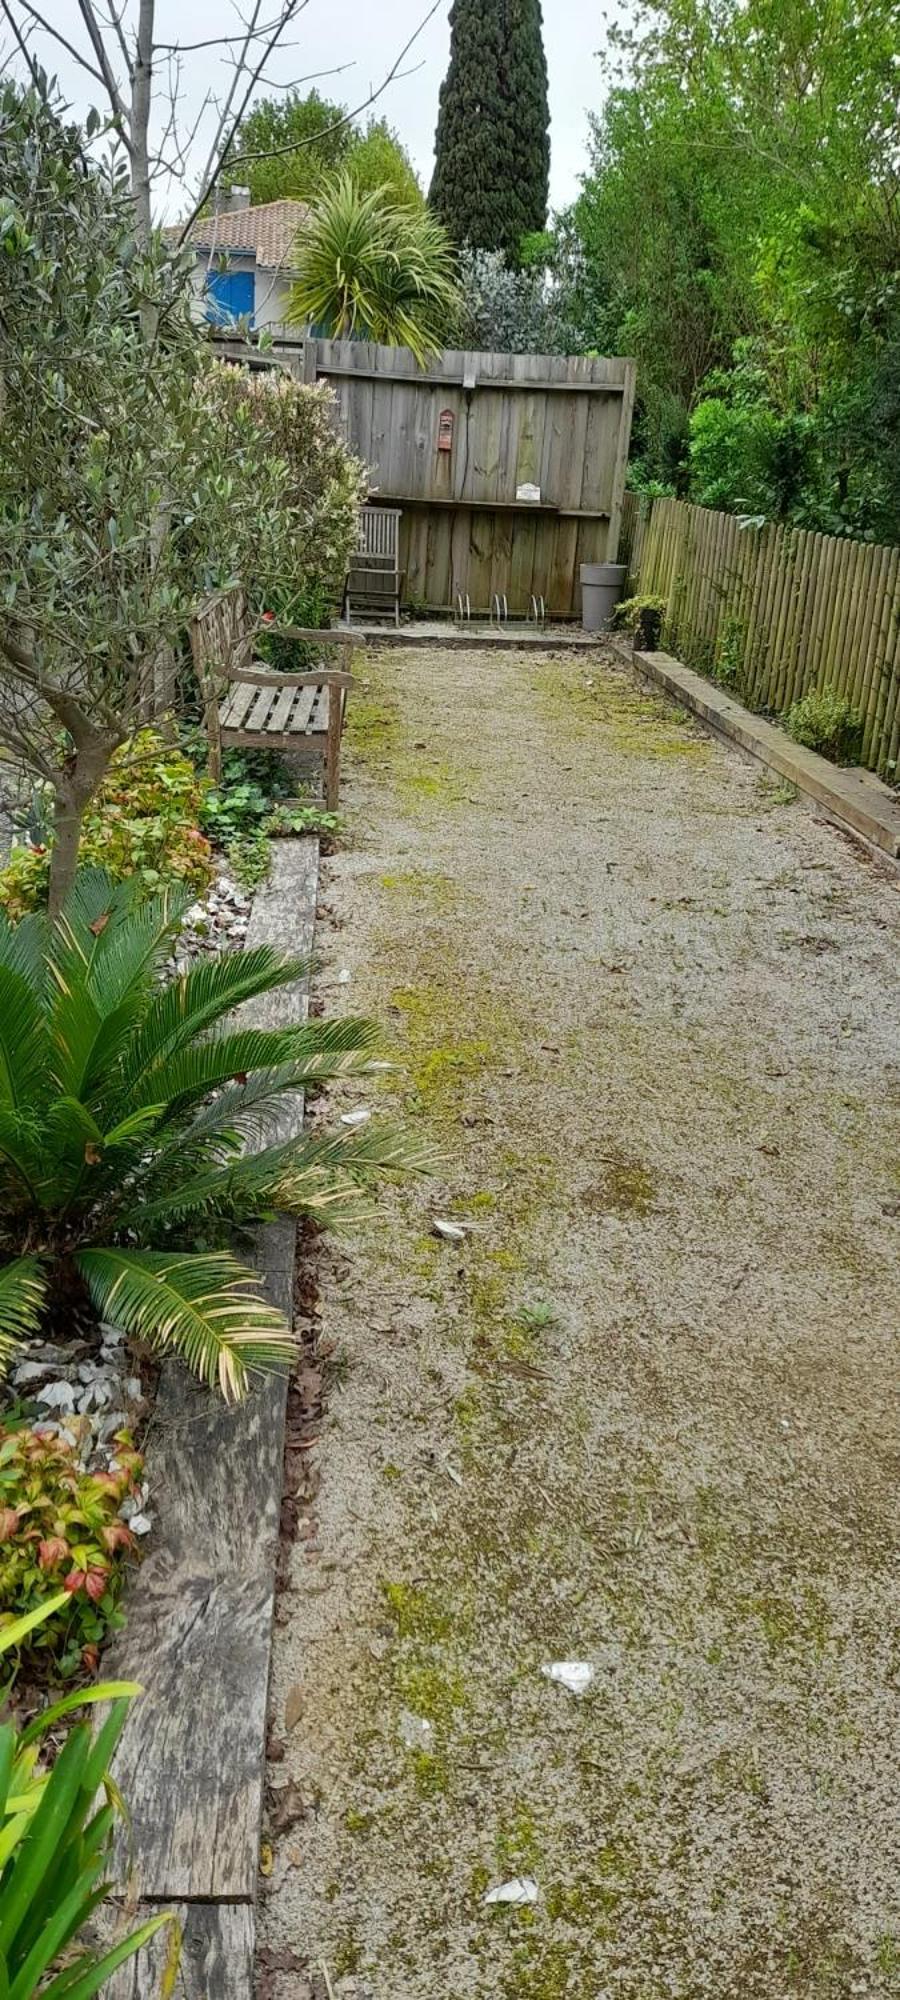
{"points": [[127, 1110], [60, 1529], [144, 824], [253, 805]]}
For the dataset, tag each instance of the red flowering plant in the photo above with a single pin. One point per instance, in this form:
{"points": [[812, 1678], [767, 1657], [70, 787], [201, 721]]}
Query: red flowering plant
{"points": [[61, 1530]]}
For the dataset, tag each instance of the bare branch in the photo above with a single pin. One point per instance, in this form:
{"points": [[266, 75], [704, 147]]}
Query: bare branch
{"points": [[107, 76], [21, 42], [57, 37], [214, 159], [115, 22], [219, 41], [312, 76], [222, 145]]}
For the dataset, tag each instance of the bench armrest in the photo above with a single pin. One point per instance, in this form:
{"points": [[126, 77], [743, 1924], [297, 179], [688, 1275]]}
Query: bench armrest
{"points": [[258, 676]]}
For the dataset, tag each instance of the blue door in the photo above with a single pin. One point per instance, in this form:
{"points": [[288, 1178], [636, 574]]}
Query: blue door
{"points": [[230, 295]]}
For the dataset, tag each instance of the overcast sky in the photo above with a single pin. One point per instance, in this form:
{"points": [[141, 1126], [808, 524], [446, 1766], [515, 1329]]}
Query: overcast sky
{"points": [[367, 35]]}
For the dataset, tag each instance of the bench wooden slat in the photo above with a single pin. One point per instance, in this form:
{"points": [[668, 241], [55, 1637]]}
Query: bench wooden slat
{"points": [[235, 706], [304, 703], [281, 709], [258, 715], [318, 720], [258, 676]]}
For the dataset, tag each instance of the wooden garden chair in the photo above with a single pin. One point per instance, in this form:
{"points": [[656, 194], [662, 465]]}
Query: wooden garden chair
{"points": [[372, 589], [250, 705]]}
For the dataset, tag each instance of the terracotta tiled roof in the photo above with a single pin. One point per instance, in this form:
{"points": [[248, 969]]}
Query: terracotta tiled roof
{"points": [[267, 231]]}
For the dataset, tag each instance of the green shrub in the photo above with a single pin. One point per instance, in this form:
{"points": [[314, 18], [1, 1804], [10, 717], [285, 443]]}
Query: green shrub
{"points": [[143, 823], [60, 1531], [125, 1107], [825, 721], [309, 609], [325, 481], [249, 854], [249, 857], [253, 782], [55, 1849]]}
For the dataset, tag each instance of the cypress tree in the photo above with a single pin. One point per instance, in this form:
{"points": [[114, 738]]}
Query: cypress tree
{"points": [[493, 145]]}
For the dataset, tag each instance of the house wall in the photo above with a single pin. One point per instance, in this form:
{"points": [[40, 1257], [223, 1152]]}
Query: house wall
{"points": [[272, 289]]}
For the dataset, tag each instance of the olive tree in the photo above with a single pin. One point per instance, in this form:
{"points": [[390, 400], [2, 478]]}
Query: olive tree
{"points": [[126, 486]]}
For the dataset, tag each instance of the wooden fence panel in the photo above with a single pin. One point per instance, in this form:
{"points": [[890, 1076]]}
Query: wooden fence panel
{"points": [[777, 610], [558, 423]]}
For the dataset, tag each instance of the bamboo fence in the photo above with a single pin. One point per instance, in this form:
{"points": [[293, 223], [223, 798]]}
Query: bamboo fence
{"points": [[774, 611]]}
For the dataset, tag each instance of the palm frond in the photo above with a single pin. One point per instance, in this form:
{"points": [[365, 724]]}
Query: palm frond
{"points": [[23, 1289], [23, 1158], [368, 266], [314, 1054], [192, 1004], [207, 1308], [313, 1175], [24, 1044], [103, 952], [23, 948]]}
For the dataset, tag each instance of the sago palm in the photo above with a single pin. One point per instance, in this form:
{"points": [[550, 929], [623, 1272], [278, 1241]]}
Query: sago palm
{"points": [[368, 268], [136, 1117]]}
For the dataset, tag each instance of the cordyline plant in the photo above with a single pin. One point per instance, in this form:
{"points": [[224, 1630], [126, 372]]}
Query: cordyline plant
{"points": [[126, 1108], [127, 489], [369, 268]]}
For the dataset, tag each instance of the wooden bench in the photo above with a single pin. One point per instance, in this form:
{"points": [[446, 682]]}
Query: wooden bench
{"points": [[372, 588], [251, 705]]}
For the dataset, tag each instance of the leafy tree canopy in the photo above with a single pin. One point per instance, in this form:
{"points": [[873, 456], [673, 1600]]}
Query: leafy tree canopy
{"points": [[739, 233], [310, 139], [128, 486]]}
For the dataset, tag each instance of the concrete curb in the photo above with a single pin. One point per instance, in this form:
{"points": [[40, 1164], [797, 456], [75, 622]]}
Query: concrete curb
{"points": [[852, 796], [481, 637]]}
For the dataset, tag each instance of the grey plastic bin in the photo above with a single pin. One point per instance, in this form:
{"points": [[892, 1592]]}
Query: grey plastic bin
{"points": [[601, 587]]}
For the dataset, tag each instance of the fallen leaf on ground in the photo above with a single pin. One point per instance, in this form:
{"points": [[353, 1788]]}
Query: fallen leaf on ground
{"points": [[287, 1807], [293, 1708]]}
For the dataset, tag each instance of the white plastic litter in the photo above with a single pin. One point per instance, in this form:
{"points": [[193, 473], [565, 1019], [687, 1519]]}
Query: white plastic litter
{"points": [[343, 978], [415, 1731], [358, 1117], [520, 1890], [452, 1232], [576, 1675]]}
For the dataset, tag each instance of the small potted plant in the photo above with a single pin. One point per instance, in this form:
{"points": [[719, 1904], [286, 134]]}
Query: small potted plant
{"points": [[643, 618]]}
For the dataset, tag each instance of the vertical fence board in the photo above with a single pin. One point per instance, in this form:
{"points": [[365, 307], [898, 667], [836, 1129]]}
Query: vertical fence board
{"points": [[887, 637]]}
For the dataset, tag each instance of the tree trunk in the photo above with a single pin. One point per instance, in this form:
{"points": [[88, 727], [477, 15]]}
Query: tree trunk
{"points": [[74, 793], [67, 821]]}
